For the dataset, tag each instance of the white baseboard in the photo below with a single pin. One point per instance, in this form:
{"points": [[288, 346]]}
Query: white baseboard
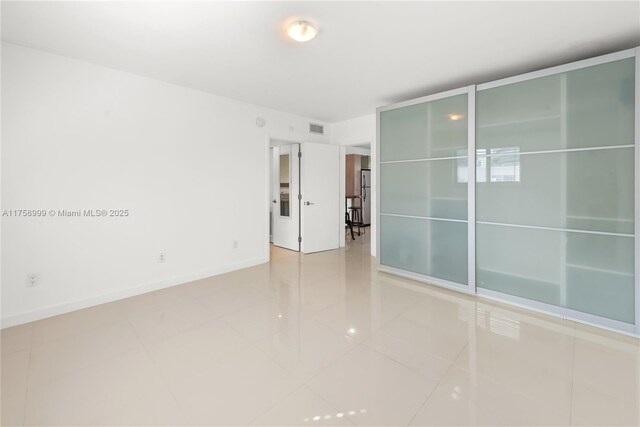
{"points": [[67, 307]]}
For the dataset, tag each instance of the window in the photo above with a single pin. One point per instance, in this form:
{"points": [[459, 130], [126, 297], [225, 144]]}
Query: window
{"points": [[505, 164], [492, 165]]}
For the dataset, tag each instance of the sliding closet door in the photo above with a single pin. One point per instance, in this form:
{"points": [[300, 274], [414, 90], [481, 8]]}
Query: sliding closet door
{"points": [[555, 191], [423, 188]]}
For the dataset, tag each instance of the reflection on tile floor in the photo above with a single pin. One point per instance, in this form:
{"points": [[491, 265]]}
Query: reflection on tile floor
{"points": [[312, 340]]}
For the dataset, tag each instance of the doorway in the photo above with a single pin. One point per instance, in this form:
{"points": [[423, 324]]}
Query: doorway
{"points": [[358, 193], [304, 202], [284, 211]]}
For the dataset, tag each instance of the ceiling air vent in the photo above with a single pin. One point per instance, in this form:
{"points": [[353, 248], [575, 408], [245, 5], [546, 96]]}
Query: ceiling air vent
{"points": [[319, 129]]}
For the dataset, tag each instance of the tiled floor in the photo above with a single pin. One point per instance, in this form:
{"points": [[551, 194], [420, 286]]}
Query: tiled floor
{"points": [[313, 340]]}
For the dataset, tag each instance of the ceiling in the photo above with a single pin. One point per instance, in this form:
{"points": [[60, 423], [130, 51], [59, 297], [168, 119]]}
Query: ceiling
{"points": [[367, 54]]}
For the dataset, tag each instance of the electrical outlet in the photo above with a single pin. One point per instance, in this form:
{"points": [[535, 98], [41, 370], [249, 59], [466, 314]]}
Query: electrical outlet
{"points": [[32, 280], [235, 244], [162, 257]]}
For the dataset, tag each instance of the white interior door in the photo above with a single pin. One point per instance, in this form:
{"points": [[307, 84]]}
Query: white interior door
{"points": [[320, 170], [285, 178]]}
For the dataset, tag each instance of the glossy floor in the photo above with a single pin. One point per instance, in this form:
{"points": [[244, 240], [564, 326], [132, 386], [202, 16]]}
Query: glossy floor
{"points": [[313, 340]]}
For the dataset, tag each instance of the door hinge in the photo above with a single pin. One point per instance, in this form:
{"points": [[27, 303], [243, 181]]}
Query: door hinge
{"points": [[299, 196], [299, 239], [299, 154]]}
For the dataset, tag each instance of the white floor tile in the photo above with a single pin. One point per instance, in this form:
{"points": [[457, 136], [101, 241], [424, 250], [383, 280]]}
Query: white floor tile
{"points": [[169, 320], [94, 392], [608, 366], [591, 408], [53, 328], [157, 409], [234, 390], [468, 399], [55, 359], [310, 340], [372, 389], [17, 338], [302, 408], [306, 348], [194, 350]]}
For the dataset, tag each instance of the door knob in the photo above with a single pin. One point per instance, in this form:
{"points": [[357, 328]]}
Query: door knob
{"points": [[274, 201], [309, 203]]}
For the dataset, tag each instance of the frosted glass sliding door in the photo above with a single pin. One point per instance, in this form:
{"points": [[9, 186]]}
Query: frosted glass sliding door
{"points": [[591, 273], [424, 188], [425, 246], [555, 189], [581, 190]]}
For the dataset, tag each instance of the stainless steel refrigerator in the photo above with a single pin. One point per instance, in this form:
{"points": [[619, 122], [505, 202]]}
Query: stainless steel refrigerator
{"points": [[365, 195]]}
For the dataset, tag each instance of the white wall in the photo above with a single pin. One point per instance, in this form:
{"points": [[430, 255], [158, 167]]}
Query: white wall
{"points": [[357, 150], [361, 130], [190, 167]]}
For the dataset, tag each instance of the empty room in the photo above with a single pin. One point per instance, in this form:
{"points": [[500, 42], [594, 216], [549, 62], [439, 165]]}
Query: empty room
{"points": [[320, 213]]}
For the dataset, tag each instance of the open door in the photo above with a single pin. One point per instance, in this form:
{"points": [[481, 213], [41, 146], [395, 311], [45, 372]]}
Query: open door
{"points": [[320, 170], [285, 213]]}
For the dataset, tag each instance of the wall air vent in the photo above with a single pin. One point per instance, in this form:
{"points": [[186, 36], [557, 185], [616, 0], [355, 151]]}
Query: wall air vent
{"points": [[319, 129]]}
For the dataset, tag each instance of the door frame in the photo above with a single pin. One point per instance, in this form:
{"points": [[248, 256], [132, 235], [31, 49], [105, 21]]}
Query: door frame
{"points": [[341, 193], [352, 149], [267, 179]]}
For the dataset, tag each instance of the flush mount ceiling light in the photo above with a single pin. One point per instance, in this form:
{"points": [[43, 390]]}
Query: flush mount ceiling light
{"points": [[302, 31]]}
